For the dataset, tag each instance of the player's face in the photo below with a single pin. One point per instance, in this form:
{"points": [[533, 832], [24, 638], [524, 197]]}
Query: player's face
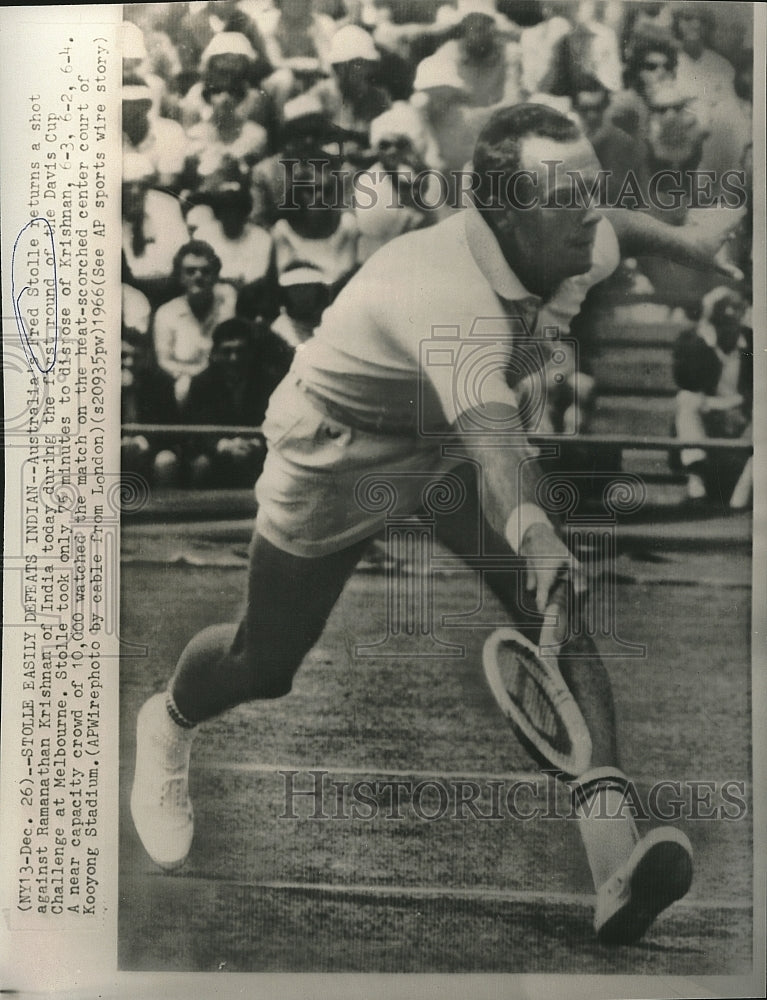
{"points": [[556, 234]]}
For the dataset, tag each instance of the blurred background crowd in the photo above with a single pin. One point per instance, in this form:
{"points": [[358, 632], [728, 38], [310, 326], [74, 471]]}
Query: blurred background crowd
{"points": [[245, 124]]}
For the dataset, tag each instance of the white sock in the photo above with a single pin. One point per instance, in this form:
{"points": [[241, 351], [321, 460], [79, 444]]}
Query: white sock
{"points": [[606, 824]]}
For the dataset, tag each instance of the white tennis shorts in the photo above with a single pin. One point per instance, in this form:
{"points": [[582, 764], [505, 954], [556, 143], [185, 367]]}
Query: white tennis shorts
{"points": [[326, 485]]}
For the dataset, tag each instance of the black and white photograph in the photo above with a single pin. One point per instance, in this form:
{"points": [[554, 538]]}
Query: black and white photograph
{"points": [[446, 282], [439, 625]]}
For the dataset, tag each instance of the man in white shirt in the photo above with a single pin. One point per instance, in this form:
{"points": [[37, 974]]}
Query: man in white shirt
{"points": [[403, 364], [160, 140], [183, 327], [701, 73]]}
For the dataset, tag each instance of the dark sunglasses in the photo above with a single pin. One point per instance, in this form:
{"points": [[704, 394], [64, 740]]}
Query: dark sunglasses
{"points": [[402, 143], [656, 65]]}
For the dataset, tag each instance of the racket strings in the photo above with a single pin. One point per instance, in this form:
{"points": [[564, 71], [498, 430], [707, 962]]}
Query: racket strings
{"points": [[523, 687]]}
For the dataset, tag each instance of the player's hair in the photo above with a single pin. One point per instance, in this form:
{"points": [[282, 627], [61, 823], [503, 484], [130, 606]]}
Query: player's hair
{"points": [[196, 248], [498, 150]]}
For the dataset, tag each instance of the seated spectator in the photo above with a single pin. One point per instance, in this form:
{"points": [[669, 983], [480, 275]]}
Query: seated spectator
{"points": [[227, 67], [676, 134], [136, 312], [297, 44], [538, 44], [304, 296], [246, 251], [135, 63], [183, 327], [589, 47], [259, 301], [619, 153], [153, 229], [224, 137], [314, 228], [306, 135], [350, 98], [489, 67], [247, 362], [295, 34], [713, 368], [441, 98], [729, 125], [387, 207], [702, 74], [453, 12], [146, 398], [160, 140], [650, 67], [407, 32]]}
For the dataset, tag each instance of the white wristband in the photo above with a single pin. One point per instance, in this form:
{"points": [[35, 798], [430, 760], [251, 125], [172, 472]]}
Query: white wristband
{"points": [[521, 518]]}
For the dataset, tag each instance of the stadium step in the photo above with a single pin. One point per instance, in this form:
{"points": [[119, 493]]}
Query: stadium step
{"points": [[634, 370], [637, 416], [608, 330]]}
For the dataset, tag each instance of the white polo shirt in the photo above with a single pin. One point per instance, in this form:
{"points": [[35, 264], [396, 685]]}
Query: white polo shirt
{"points": [[426, 329]]}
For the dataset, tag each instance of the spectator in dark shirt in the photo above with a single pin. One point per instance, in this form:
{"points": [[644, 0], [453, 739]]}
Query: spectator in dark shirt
{"points": [[146, 398], [624, 157], [304, 296], [713, 368], [246, 364]]}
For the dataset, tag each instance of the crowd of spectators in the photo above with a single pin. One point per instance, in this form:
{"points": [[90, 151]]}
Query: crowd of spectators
{"points": [[272, 146]]}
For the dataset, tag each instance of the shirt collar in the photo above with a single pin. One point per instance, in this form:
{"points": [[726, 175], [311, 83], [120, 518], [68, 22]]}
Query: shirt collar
{"points": [[491, 262]]}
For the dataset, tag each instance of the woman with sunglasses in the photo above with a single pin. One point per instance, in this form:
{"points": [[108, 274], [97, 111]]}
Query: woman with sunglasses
{"points": [[651, 66]]}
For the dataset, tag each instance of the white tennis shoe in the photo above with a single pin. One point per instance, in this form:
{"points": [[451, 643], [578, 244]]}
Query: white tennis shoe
{"points": [[160, 805], [658, 873]]}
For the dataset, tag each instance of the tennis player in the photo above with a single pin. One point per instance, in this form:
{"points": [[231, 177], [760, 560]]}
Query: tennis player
{"points": [[363, 397]]}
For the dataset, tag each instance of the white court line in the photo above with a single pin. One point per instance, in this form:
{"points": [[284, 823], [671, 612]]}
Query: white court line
{"points": [[511, 896], [247, 767], [253, 767]]}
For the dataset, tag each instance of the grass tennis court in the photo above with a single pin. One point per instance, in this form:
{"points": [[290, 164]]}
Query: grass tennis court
{"points": [[264, 893]]}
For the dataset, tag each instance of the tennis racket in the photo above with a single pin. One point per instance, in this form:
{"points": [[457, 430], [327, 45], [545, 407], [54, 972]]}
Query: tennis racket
{"points": [[533, 696]]}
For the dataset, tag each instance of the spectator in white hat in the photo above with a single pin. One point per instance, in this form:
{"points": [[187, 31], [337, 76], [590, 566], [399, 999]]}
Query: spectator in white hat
{"points": [[152, 228], [136, 63], [161, 140], [350, 97], [304, 296], [489, 66], [227, 66], [440, 96], [386, 204]]}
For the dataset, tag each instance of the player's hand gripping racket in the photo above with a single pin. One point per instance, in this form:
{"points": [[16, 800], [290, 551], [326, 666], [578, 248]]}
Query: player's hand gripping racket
{"points": [[533, 696]]}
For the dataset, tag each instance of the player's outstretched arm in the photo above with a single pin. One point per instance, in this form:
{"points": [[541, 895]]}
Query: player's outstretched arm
{"points": [[699, 243], [509, 476]]}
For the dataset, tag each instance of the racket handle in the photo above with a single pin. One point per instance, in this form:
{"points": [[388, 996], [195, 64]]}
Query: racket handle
{"points": [[557, 607]]}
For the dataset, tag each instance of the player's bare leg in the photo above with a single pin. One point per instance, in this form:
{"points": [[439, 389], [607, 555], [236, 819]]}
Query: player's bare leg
{"points": [[635, 879], [289, 601]]}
